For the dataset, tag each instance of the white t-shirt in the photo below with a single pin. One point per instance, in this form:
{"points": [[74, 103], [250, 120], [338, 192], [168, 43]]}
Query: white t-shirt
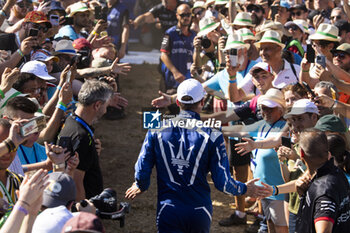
{"points": [[283, 78]]}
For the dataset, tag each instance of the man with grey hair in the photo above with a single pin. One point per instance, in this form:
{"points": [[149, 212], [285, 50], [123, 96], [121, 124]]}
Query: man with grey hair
{"points": [[93, 100]]}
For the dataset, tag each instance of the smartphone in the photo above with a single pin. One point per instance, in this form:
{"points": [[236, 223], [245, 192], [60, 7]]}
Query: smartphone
{"points": [[287, 142], [274, 10], [98, 12], [35, 125], [74, 60], [309, 89], [104, 13], [68, 21], [310, 54], [54, 20], [69, 144], [233, 57], [33, 32], [321, 59]]}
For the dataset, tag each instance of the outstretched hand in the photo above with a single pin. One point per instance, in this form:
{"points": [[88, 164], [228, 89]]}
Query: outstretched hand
{"points": [[243, 148], [132, 192], [120, 68], [254, 190], [161, 102]]}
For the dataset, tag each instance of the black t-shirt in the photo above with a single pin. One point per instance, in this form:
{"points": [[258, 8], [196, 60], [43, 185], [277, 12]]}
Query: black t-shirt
{"points": [[166, 17], [89, 161]]}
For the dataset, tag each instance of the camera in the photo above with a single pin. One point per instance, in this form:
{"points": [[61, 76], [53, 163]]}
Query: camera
{"points": [[205, 43], [106, 206], [84, 58]]}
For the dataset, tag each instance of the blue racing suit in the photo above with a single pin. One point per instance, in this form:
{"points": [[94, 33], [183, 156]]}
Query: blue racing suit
{"points": [[183, 155]]}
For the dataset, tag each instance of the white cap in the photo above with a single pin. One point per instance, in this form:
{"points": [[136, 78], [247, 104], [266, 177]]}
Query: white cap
{"points": [[273, 98], [193, 88], [43, 55], [37, 68], [302, 106], [52, 220]]}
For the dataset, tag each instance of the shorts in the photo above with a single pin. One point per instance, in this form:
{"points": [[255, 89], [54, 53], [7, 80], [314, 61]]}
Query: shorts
{"points": [[274, 210], [235, 158], [179, 219]]}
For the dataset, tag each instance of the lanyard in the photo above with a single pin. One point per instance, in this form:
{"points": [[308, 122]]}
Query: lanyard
{"points": [[25, 156], [78, 119], [261, 133], [246, 69], [6, 193]]}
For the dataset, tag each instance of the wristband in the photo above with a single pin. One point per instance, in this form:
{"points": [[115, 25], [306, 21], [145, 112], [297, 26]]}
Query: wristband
{"points": [[232, 81], [20, 52], [172, 100], [3, 13], [59, 166], [63, 104], [22, 209], [273, 190], [59, 88], [306, 71], [60, 106], [2, 94], [10, 145], [233, 77], [95, 33]]}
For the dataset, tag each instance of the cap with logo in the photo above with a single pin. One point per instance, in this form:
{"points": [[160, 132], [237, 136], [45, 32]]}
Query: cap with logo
{"points": [[302, 106], [192, 88], [80, 43], [37, 68], [84, 222], [60, 191], [273, 98], [260, 66]]}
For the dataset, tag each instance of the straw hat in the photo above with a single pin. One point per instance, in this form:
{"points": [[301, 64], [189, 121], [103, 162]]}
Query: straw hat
{"points": [[206, 25], [326, 32], [235, 41], [198, 4], [271, 37], [243, 19], [273, 98], [246, 34], [78, 7], [270, 25], [209, 2], [302, 24], [221, 2]]}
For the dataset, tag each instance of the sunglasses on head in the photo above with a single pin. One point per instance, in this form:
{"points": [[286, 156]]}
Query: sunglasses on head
{"points": [[296, 13], [40, 28], [341, 55], [185, 15]]}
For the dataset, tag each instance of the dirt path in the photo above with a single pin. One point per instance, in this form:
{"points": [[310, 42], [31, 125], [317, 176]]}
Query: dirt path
{"points": [[122, 141]]}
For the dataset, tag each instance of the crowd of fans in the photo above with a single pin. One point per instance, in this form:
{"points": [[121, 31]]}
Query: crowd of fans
{"points": [[276, 74]]}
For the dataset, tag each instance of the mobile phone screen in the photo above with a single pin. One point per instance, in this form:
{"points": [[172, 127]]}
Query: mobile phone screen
{"points": [[310, 54]]}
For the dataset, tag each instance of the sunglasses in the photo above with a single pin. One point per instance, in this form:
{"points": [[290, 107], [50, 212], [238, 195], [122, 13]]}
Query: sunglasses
{"points": [[256, 9], [185, 15], [199, 12], [337, 17], [293, 27], [339, 54], [296, 13], [40, 28]]}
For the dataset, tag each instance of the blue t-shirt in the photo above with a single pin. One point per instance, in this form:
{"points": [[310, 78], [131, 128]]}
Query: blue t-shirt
{"points": [[30, 155], [69, 32], [267, 163], [219, 82]]}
